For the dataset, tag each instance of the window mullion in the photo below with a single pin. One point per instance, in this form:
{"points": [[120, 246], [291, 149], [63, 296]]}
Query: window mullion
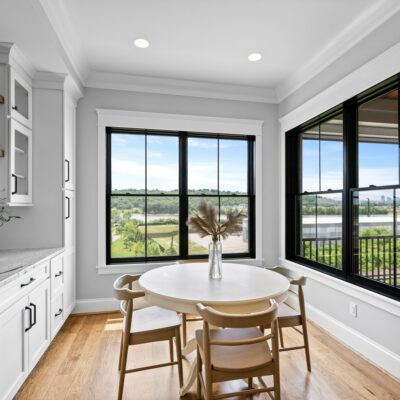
{"points": [[183, 197]]}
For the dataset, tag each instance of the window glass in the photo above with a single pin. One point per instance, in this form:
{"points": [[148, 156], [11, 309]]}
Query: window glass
{"points": [[127, 226], [162, 164], [378, 142], [128, 163], [310, 160], [202, 165], [331, 154], [373, 233], [233, 166], [162, 226]]}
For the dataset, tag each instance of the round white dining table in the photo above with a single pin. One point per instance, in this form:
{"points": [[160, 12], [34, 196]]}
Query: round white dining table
{"points": [[242, 289]]}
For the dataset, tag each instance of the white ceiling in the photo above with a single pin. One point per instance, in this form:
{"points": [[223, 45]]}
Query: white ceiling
{"points": [[202, 41]]}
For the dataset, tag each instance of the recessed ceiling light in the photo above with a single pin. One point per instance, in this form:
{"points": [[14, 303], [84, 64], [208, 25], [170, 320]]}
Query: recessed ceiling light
{"points": [[142, 43], [255, 57]]}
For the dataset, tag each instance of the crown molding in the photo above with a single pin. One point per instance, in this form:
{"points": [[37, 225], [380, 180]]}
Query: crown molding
{"points": [[360, 28], [49, 80], [145, 84], [10, 54], [55, 15]]}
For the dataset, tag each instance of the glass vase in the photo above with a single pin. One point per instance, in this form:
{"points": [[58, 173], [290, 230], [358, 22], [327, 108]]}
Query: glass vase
{"points": [[215, 259]]}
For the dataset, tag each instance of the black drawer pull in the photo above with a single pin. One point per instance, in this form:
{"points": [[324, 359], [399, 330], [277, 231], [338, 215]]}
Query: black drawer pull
{"points": [[68, 173], [59, 274], [30, 318], [15, 184], [60, 310], [28, 283], [34, 314]]}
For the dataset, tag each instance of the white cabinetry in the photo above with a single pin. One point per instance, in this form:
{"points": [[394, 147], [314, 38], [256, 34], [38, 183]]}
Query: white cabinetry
{"points": [[69, 143], [15, 130], [13, 349], [20, 103], [24, 332]]}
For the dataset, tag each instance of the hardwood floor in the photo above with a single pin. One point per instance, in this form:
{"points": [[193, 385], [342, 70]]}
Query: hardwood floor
{"points": [[81, 363]]}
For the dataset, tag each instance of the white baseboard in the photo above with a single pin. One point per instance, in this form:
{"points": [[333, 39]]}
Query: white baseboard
{"points": [[96, 305], [368, 349]]}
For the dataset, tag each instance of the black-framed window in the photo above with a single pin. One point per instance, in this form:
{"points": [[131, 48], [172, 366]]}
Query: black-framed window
{"points": [[343, 190], [155, 180]]}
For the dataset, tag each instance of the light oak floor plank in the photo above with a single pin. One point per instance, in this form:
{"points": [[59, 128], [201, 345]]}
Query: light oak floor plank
{"points": [[81, 364]]}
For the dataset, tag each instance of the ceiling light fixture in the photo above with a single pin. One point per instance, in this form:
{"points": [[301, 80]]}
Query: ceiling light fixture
{"points": [[255, 57], [142, 43]]}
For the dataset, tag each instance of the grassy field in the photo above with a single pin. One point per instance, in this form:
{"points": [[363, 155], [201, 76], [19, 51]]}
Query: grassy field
{"points": [[119, 250]]}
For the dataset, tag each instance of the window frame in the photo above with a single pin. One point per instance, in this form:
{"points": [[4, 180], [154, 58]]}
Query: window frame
{"points": [[182, 194], [349, 109]]}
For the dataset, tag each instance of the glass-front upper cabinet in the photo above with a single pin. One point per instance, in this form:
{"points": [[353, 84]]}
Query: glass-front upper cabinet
{"points": [[20, 183], [20, 99]]}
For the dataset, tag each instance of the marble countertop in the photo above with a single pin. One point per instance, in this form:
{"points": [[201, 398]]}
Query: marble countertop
{"points": [[15, 263]]}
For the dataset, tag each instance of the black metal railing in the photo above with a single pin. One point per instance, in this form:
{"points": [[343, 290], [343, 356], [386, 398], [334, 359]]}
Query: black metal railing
{"points": [[375, 256]]}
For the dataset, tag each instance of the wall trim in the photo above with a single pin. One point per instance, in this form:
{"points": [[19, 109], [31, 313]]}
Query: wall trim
{"points": [[176, 122], [369, 297], [95, 305], [180, 87], [368, 349]]}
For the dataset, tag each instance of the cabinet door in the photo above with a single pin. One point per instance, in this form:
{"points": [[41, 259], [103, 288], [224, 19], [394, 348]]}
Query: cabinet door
{"points": [[13, 348], [20, 180], [69, 281], [20, 99], [69, 143], [39, 333], [70, 218]]}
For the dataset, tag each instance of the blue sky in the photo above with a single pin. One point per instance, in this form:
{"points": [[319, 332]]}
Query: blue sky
{"points": [[378, 164], [128, 160]]}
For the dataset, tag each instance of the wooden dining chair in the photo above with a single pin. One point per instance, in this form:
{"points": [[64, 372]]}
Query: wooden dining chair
{"points": [[146, 325], [288, 317], [240, 351]]}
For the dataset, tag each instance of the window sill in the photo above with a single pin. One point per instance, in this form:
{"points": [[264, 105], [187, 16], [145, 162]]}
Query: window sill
{"points": [[140, 268], [369, 297]]}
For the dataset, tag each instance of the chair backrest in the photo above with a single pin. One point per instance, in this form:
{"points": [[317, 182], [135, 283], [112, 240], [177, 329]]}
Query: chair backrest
{"points": [[264, 318], [293, 278], [123, 291]]}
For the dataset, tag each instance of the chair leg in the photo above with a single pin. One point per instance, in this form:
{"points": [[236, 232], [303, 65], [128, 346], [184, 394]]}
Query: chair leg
{"points": [[281, 336], [120, 351], [250, 383], [184, 332], [306, 344], [171, 350], [179, 355], [277, 387], [123, 367], [199, 368]]}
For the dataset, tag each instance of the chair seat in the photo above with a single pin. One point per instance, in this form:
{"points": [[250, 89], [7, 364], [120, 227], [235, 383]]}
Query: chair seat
{"points": [[153, 318], [236, 358], [286, 311]]}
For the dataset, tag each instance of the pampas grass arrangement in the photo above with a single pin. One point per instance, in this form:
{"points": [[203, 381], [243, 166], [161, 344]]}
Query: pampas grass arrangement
{"points": [[205, 222]]}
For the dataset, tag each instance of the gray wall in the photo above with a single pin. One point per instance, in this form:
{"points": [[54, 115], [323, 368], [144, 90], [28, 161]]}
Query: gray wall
{"points": [[386, 36], [90, 284]]}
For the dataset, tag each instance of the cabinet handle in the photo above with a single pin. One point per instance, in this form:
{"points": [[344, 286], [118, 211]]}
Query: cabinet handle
{"points": [[15, 183], [28, 283], [68, 207], [15, 108], [59, 274], [60, 310], [34, 314], [68, 176], [30, 318]]}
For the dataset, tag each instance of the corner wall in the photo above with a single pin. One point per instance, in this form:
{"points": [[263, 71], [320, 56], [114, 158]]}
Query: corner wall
{"points": [[94, 291], [374, 333]]}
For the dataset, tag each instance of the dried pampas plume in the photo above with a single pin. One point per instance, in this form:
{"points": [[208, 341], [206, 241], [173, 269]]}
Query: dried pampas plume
{"points": [[205, 222]]}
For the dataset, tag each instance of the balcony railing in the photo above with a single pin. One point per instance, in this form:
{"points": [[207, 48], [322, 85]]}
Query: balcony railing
{"points": [[376, 256]]}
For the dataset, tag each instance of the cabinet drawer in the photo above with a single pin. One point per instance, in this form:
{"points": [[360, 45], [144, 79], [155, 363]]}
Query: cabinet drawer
{"points": [[57, 314], [24, 284], [56, 275]]}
